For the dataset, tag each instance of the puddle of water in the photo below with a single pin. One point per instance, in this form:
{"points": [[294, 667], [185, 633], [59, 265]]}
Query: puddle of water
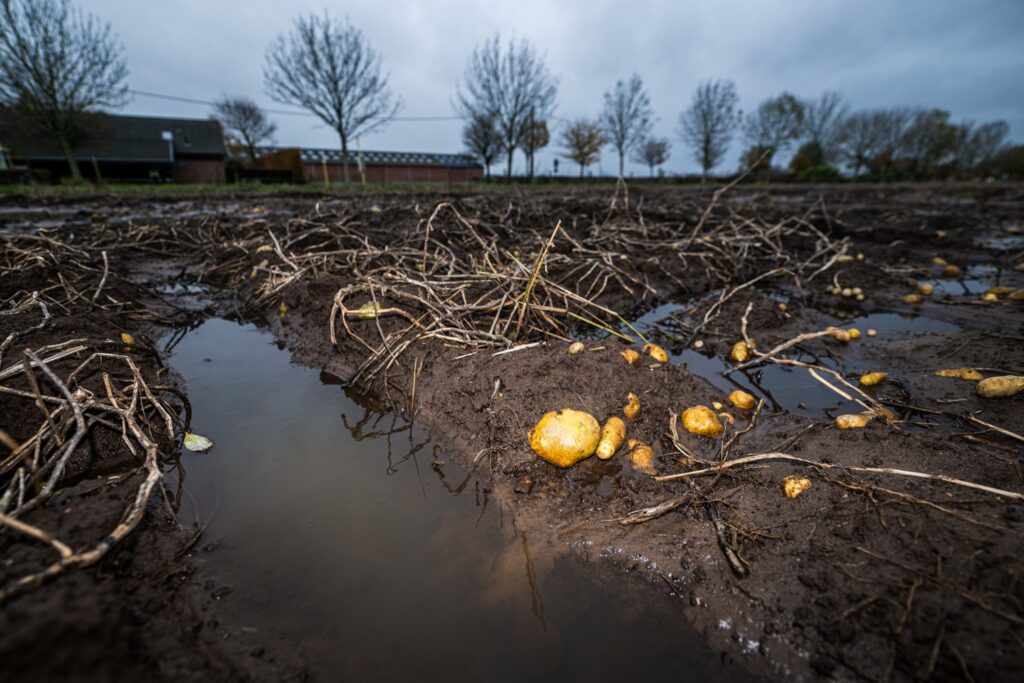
{"points": [[330, 526], [975, 281], [899, 324]]}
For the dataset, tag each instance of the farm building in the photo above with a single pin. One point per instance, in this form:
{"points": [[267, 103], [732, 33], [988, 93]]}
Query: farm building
{"points": [[123, 148], [311, 165]]}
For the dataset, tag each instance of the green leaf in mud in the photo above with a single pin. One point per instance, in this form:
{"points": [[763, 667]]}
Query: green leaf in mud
{"points": [[368, 311], [197, 443]]}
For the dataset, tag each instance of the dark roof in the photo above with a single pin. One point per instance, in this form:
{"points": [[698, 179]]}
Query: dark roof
{"points": [[377, 158], [119, 138]]}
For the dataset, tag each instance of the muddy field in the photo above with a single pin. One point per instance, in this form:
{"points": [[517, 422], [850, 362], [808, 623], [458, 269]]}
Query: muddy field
{"points": [[901, 561]]}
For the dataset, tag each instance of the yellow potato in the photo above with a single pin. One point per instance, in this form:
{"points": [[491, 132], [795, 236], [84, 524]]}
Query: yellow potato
{"points": [[717, 405], [871, 332], [1001, 386], [939, 261], [742, 400], [839, 335], [656, 352], [612, 435], [642, 456], [961, 373], [870, 379], [565, 437], [740, 352], [631, 356], [793, 486], [926, 288], [853, 421], [576, 348], [632, 409], [282, 309], [1016, 295], [853, 332], [127, 339], [951, 271], [912, 299], [702, 421], [989, 296]]}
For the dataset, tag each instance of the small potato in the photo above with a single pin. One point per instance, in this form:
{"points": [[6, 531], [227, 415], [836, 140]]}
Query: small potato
{"points": [[698, 344], [1002, 386], [871, 332], [727, 418], [853, 421], [839, 335], [859, 297], [1016, 295], [961, 373], [939, 261], [702, 421], [847, 292], [926, 288], [742, 400], [612, 435], [912, 298], [782, 307], [642, 456], [793, 486], [951, 271], [656, 352], [576, 348], [632, 409], [990, 297], [282, 309], [740, 352], [860, 256], [853, 332], [565, 437], [717, 405], [127, 339], [631, 356], [870, 379], [999, 290]]}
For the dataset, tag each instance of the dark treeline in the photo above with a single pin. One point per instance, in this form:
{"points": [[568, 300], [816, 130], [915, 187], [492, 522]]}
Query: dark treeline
{"points": [[58, 65]]}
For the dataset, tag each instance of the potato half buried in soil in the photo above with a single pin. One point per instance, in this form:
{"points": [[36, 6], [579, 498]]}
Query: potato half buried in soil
{"points": [[1002, 386], [576, 348], [631, 356], [853, 421], [566, 437], [742, 400], [612, 435], [642, 456], [870, 379], [793, 485], [961, 373], [632, 409], [656, 352], [702, 421]]}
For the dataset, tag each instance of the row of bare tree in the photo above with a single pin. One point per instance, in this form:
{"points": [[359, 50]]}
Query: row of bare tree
{"points": [[58, 64]]}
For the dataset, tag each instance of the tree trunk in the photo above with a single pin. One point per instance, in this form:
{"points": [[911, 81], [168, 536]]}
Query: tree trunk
{"points": [[622, 162], [69, 152], [581, 170], [344, 156], [652, 170], [510, 151], [531, 164]]}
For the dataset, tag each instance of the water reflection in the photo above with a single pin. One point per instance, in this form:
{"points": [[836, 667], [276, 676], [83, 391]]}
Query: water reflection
{"points": [[347, 530]]}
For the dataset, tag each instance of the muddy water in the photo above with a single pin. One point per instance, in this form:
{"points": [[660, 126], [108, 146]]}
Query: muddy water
{"points": [[340, 529]]}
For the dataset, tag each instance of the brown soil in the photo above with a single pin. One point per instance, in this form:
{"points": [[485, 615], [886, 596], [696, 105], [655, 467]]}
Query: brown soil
{"points": [[874, 576]]}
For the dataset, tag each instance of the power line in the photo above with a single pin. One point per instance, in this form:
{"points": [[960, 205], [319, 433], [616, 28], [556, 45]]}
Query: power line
{"points": [[282, 112]]}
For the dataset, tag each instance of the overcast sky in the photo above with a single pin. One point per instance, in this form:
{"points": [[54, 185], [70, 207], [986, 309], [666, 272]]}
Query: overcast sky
{"points": [[967, 57]]}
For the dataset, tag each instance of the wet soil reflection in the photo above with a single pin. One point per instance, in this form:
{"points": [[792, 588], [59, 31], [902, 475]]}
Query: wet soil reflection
{"points": [[345, 530]]}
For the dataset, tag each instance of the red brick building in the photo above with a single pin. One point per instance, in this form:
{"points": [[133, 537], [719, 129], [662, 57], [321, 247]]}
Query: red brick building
{"points": [[381, 167], [123, 148]]}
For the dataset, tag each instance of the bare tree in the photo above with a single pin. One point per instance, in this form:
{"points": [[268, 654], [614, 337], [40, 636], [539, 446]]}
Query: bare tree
{"points": [[708, 125], [481, 137], [243, 119], [652, 153], [857, 141], [774, 125], [583, 140], [822, 123], [890, 127], [627, 117], [975, 147], [535, 137], [58, 65], [327, 67], [513, 86]]}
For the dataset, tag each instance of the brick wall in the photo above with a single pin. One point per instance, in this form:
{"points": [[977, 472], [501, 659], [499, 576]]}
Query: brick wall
{"points": [[393, 174], [199, 171]]}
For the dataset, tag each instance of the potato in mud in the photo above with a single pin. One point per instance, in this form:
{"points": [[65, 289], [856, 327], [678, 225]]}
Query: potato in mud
{"points": [[576, 348], [656, 352], [853, 421], [702, 421], [1002, 386], [612, 435], [632, 409], [642, 456], [740, 352], [870, 379], [631, 356], [961, 373], [565, 437], [793, 485], [742, 400]]}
